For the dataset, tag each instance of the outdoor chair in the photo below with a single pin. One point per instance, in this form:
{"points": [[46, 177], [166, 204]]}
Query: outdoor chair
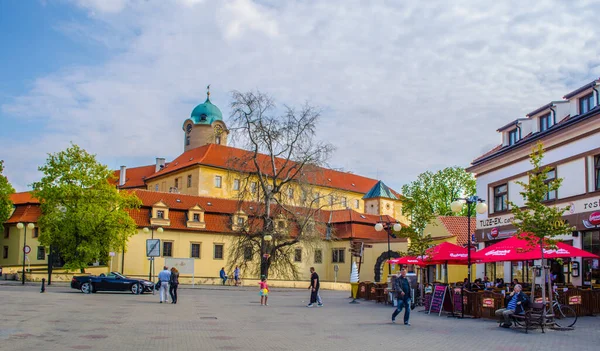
{"points": [[533, 317]]}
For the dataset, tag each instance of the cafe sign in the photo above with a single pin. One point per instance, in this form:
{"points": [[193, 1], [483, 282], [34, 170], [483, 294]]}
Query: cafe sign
{"points": [[575, 300], [488, 303]]}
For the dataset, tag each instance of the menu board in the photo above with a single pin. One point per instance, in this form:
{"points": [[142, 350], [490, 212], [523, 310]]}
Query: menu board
{"points": [[458, 300], [437, 299]]}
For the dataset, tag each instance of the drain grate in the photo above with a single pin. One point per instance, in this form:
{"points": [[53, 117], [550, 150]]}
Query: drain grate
{"points": [[208, 317]]}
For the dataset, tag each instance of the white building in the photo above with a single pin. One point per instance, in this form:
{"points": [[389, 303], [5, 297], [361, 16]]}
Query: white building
{"points": [[570, 132]]}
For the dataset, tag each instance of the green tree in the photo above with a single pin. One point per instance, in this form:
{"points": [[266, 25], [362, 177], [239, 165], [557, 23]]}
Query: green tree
{"points": [[536, 221], [84, 216], [5, 191], [431, 194]]}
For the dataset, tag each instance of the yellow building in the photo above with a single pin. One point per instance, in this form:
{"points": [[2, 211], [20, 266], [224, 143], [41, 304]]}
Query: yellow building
{"points": [[452, 229], [194, 199]]}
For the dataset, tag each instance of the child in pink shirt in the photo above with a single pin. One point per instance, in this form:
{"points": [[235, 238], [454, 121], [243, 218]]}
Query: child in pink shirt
{"points": [[264, 291]]}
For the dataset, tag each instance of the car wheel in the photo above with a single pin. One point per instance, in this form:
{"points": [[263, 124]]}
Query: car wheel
{"points": [[86, 288], [134, 288]]}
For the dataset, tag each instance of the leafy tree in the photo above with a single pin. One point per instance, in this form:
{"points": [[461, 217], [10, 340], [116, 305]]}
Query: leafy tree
{"points": [[282, 162], [536, 221], [84, 216], [431, 194], [5, 191]]}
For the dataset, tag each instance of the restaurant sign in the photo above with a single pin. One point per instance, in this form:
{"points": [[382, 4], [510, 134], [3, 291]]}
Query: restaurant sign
{"points": [[575, 300], [488, 303]]}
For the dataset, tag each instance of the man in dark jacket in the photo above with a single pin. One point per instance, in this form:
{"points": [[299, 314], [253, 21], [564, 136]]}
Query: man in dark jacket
{"points": [[517, 302], [403, 296]]}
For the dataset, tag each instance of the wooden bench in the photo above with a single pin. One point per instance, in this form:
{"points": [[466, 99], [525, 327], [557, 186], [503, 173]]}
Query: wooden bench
{"points": [[533, 317]]}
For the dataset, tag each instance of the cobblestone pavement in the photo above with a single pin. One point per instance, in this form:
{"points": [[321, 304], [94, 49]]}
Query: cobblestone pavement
{"points": [[229, 318]]}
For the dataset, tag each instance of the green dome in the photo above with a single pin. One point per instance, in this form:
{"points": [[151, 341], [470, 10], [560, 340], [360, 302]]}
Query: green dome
{"points": [[206, 113]]}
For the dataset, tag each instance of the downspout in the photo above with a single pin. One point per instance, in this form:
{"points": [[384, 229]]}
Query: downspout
{"points": [[597, 96], [519, 128]]}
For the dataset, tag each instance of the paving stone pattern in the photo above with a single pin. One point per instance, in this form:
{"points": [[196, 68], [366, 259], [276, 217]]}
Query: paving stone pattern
{"points": [[229, 318]]}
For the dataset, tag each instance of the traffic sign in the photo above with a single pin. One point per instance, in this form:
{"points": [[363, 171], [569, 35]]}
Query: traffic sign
{"points": [[26, 249], [152, 247]]}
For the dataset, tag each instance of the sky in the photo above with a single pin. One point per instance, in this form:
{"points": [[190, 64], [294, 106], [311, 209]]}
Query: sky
{"points": [[404, 86]]}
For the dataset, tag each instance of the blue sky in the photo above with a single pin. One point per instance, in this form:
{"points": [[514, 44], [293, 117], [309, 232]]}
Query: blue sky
{"points": [[405, 86]]}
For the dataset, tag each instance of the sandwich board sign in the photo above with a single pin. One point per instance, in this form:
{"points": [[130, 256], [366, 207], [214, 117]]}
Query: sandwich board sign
{"points": [[152, 247]]}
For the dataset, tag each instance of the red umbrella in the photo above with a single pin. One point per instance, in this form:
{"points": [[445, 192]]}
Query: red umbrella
{"points": [[517, 248], [407, 260], [446, 253]]}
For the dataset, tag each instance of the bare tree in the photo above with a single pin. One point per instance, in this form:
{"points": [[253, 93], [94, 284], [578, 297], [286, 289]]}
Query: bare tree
{"points": [[276, 196]]}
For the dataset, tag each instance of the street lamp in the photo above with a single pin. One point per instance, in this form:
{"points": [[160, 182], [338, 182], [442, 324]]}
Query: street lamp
{"points": [[148, 230], [480, 207], [20, 226], [390, 228]]}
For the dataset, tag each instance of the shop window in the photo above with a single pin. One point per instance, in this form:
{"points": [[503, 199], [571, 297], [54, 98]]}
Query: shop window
{"points": [[590, 242]]}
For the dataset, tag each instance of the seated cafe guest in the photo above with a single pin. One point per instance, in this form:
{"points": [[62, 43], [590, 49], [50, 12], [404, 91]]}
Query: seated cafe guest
{"points": [[499, 283], [466, 284], [486, 283], [517, 302]]}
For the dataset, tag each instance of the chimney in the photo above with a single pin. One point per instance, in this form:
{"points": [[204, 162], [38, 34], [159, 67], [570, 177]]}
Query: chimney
{"points": [[160, 163], [123, 176]]}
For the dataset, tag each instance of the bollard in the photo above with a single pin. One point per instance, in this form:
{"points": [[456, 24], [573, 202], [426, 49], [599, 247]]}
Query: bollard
{"points": [[43, 285]]}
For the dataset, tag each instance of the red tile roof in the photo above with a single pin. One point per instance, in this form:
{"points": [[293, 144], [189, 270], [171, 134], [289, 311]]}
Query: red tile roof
{"points": [[457, 226], [25, 214], [135, 176], [227, 157], [23, 198]]}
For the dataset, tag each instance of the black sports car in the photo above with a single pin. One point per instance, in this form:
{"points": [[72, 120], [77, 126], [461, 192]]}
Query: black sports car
{"points": [[112, 281]]}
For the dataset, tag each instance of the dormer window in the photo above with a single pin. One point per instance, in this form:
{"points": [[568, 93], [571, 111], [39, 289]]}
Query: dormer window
{"points": [[195, 217], [546, 122], [160, 214], [218, 140], [586, 103], [513, 136], [239, 221]]}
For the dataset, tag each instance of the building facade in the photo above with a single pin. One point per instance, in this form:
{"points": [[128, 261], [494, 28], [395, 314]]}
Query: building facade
{"points": [[569, 130], [196, 199]]}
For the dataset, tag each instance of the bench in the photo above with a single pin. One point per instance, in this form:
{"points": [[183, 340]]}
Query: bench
{"points": [[533, 317]]}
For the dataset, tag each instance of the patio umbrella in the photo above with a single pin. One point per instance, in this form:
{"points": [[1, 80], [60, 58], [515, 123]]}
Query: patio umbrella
{"points": [[446, 253], [517, 248], [407, 260]]}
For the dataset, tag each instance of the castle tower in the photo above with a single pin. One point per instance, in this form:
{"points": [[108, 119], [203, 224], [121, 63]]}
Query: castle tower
{"points": [[380, 200], [205, 126]]}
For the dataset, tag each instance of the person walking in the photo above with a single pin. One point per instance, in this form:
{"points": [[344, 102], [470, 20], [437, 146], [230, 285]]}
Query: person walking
{"points": [[173, 284], [314, 287], [264, 291], [236, 275], [163, 277], [403, 296], [223, 275]]}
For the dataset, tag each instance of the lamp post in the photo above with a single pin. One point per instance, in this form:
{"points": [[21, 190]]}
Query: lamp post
{"points": [[390, 228], [480, 207], [148, 230], [20, 226]]}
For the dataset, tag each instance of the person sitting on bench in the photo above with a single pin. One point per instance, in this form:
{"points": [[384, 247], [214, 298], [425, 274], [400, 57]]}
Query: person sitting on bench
{"points": [[517, 302]]}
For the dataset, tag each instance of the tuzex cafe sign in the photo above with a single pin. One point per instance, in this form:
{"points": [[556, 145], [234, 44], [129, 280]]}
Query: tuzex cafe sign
{"points": [[583, 214]]}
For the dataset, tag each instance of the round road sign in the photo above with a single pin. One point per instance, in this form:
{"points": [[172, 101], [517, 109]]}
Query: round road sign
{"points": [[26, 249]]}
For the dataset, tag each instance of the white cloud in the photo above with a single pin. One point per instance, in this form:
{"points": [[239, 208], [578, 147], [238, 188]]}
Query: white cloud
{"points": [[405, 86]]}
